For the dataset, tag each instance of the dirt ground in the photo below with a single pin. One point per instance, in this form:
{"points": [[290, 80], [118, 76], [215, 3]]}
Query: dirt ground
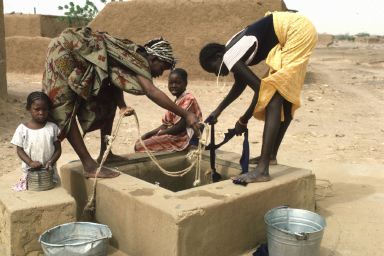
{"points": [[338, 133]]}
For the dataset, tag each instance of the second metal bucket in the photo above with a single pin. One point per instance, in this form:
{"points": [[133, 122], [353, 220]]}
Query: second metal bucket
{"points": [[76, 239], [40, 179], [294, 232]]}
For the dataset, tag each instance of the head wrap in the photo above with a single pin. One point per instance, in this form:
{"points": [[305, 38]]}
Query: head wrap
{"points": [[162, 49]]}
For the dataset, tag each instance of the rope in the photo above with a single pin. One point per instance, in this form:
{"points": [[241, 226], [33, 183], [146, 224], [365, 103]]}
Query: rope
{"points": [[195, 156], [90, 206]]}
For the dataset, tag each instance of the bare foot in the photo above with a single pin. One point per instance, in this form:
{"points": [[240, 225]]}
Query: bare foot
{"points": [[104, 173], [111, 158], [251, 177], [261, 174], [91, 167], [257, 159]]}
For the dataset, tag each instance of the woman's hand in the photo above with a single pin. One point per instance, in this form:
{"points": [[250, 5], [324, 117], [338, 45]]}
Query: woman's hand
{"points": [[212, 118], [127, 111]]}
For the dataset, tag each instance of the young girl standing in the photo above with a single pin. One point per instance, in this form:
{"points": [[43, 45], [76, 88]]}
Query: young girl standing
{"points": [[36, 140]]}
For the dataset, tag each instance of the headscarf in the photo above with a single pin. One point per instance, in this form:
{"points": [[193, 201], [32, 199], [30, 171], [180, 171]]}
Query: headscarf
{"points": [[162, 49]]}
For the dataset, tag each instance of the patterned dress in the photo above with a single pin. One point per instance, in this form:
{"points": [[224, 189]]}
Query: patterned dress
{"points": [[82, 70], [168, 142]]}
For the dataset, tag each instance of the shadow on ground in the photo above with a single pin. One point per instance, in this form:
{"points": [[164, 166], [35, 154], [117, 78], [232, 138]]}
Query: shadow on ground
{"points": [[339, 193]]}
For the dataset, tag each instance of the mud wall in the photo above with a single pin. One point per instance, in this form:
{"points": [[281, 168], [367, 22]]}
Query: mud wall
{"points": [[369, 39], [188, 25], [36, 25], [3, 79], [27, 37], [22, 25], [26, 54], [325, 40]]}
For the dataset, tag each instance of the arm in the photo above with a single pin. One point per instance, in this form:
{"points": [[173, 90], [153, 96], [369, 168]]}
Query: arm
{"points": [[161, 99], [241, 124], [236, 90], [119, 97], [55, 155], [120, 102], [243, 77], [249, 112], [253, 81], [178, 128], [26, 159], [153, 132]]}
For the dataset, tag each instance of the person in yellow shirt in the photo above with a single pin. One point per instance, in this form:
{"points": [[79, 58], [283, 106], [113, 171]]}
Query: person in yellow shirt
{"points": [[285, 40]]}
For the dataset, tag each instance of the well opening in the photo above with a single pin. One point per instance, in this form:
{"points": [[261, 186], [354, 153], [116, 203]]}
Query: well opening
{"points": [[150, 173]]}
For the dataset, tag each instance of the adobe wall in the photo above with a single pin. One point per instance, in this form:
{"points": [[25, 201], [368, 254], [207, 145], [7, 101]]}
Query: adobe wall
{"points": [[325, 40], [26, 54], [22, 25], [36, 25], [368, 39], [27, 37], [3, 71], [188, 25], [52, 26]]}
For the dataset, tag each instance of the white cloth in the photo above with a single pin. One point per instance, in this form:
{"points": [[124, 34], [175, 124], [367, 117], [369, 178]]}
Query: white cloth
{"points": [[239, 49], [37, 144]]}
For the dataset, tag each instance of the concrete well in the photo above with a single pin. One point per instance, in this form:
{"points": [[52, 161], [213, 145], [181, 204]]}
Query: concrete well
{"points": [[175, 218], [25, 215]]}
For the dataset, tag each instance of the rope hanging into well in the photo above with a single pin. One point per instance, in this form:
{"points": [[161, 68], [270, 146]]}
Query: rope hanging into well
{"points": [[90, 206], [194, 155]]}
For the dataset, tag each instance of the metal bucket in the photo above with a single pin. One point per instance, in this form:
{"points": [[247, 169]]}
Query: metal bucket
{"points": [[40, 179], [294, 232], [75, 239]]}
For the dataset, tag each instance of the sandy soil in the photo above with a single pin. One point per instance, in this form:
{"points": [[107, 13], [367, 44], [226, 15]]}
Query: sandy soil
{"points": [[338, 133]]}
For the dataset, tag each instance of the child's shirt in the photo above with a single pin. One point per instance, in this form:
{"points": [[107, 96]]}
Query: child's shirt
{"points": [[37, 144]]}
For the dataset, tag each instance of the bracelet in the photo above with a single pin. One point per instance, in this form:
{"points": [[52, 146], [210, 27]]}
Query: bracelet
{"points": [[241, 123]]}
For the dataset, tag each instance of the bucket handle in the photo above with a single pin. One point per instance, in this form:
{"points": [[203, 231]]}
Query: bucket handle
{"points": [[301, 236], [284, 206]]}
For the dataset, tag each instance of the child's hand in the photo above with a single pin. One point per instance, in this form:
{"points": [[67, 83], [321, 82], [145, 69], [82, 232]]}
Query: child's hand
{"points": [[35, 164], [48, 165]]}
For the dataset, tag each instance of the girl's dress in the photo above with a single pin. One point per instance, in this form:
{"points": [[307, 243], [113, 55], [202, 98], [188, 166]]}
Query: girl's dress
{"points": [[38, 144], [168, 142]]}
